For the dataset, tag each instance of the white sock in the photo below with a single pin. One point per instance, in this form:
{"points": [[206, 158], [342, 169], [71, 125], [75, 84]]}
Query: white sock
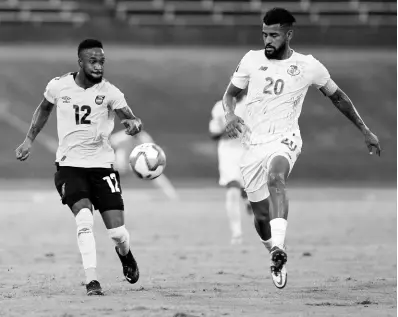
{"points": [[86, 242], [278, 232], [232, 205], [267, 244], [121, 237]]}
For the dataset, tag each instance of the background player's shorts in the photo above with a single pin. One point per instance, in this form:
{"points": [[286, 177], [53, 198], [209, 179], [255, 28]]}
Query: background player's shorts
{"points": [[100, 185], [256, 161], [228, 164]]}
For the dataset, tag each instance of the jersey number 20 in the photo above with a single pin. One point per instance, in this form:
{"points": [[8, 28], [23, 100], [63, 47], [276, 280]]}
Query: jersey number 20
{"points": [[276, 85], [83, 119]]}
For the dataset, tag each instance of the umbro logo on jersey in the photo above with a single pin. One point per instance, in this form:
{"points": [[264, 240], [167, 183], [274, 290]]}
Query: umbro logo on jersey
{"points": [[263, 68], [99, 99], [293, 70], [66, 99]]}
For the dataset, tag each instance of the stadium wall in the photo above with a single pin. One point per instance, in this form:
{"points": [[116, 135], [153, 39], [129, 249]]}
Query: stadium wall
{"points": [[116, 32]]}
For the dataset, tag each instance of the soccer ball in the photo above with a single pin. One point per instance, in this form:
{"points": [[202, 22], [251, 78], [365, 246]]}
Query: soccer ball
{"points": [[148, 160]]}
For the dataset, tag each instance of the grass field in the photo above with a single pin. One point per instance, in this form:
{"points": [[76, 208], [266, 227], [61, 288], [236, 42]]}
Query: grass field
{"points": [[341, 246]]}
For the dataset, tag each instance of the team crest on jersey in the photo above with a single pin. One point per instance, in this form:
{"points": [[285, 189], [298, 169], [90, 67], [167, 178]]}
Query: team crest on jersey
{"points": [[293, 70], [99, 99], [66, 99]]}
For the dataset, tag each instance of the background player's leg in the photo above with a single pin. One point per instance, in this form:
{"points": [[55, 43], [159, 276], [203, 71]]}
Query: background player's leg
{"points": [[85, 237], [261, 221], [121, 160], [232, 205], [277, 176]]}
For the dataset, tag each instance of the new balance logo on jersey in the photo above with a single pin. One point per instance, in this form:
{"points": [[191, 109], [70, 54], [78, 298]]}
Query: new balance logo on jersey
{"points": [[263, 68], [66, 99], [99, 99]]}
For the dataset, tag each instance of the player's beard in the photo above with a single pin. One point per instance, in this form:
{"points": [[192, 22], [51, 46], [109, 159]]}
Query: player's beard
{"points": [[276, 53], [91, 78]]}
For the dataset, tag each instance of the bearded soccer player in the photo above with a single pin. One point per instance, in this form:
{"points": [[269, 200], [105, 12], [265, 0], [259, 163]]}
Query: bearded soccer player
{"points": [[277, 78], [85, 179]]}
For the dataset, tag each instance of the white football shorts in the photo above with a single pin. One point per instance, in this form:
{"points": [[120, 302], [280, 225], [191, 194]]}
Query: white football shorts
{"points": [[229, 156], [256, 161]]}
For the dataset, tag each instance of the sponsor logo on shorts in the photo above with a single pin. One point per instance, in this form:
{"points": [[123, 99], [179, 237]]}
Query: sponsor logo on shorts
{"points": [[293, 70], [263, 68], [99, 99]]}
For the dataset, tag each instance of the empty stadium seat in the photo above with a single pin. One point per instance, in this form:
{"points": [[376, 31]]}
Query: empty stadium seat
{"points": [[249, 12], [41, 11]]}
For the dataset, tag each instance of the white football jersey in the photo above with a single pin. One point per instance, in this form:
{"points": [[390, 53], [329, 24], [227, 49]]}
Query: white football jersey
{"points": [[85, 120], [276, 91], [218, 122]]}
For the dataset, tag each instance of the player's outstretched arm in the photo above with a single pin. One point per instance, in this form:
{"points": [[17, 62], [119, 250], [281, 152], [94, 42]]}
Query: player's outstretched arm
{"points": [[40, 117], [131, 122], [234, 123], [345, 105]]}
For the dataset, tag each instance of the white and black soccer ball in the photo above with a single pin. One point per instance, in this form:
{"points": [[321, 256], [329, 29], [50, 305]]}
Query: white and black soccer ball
{"points": [[148, 160]]}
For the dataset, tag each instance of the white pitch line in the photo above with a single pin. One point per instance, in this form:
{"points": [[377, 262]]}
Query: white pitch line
{"points": [[49, 142]]}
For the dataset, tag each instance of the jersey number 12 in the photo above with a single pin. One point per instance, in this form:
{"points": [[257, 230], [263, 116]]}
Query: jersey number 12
{"points": [[83, 119]]}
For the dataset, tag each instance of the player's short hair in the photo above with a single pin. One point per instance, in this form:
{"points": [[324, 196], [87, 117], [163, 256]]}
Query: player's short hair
{"points": [[88, 43], [279, 16]]}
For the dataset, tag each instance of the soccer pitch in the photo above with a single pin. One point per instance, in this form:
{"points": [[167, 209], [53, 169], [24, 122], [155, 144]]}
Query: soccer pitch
{"points": [[341, 257]]}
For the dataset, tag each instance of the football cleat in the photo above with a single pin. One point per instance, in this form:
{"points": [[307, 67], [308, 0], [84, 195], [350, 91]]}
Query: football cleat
{"points": [[130, 267], [278, 267], [94, 288]]}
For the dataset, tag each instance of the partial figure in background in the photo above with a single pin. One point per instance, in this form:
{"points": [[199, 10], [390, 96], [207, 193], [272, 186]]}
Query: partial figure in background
{"points": [[277, 79], [86, 106], [229, 154], [123, 144]]}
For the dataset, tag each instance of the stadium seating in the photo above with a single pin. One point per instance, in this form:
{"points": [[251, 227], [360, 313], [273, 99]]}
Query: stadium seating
{"points": [[249, 12], [41, 11], [198, 12]]}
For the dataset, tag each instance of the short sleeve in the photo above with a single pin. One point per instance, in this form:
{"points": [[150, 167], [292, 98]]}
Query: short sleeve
{"points": [[241, 76], [117, 100], [320, 75], [217, 121], [50, 93]]}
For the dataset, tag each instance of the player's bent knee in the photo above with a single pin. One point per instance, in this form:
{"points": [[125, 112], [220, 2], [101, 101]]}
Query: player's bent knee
{"points": [[277, 180], [119, 235], [83, 203]]}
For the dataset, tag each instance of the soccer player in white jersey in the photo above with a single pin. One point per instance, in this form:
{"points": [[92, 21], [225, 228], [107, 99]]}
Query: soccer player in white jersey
{"points": [[229, 153], [277, 78], [123, 144], [85, 179]]}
